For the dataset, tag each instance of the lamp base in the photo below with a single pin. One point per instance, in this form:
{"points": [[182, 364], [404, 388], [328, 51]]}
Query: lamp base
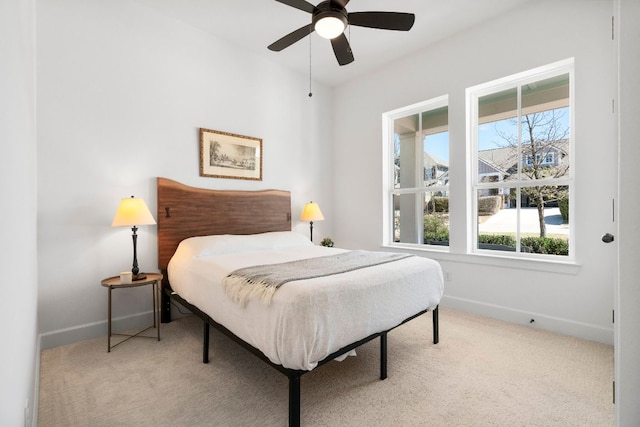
{"points": [[139, 276]]}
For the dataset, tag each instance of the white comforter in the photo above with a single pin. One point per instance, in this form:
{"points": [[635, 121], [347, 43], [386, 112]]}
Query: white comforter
{"points": [[307, 320]]}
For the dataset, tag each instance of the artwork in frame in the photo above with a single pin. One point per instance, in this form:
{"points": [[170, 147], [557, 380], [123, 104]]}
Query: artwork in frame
{"points": [[227, 155]]}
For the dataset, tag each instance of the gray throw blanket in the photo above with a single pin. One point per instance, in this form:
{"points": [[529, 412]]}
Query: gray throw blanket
{"points": [[264, 280]]}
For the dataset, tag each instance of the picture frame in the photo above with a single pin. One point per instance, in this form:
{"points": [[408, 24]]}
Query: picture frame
{"points": [[228, 155]]}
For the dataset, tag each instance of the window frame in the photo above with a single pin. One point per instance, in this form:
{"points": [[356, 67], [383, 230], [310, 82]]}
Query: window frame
{"points": [[388, 176], [462, 213], [473, 94]]}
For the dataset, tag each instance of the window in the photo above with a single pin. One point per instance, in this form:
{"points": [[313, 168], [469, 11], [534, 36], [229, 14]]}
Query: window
{"points": [[521, 176], [513, 176], [417, 164]]}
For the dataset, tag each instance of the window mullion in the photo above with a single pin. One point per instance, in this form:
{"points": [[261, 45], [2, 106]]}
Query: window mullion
{"points": [[518, 215], [419, 156], [520, 162], [519, 139], [526, 183]]}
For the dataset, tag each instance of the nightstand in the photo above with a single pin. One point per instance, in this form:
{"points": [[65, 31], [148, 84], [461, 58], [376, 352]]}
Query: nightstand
{"points": [[153, 279]]}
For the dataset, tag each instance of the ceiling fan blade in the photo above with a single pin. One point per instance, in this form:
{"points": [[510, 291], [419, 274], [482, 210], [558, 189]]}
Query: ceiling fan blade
{"points": [[340, 3], [291, 38], [384, 20], [342, 49], [299, 4]]}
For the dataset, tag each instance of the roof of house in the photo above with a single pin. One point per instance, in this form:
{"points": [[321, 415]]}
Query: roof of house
{"points": [[504, 160]]}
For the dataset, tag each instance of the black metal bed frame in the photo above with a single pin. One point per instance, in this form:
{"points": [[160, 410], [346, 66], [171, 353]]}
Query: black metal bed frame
{"points": [[293, 375]]}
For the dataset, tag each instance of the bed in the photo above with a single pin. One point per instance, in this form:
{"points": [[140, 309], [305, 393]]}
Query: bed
{"points": [[298, 324]]}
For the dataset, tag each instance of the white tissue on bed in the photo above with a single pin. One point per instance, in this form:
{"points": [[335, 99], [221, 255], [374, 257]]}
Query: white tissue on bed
{"points": [[344, 356]]}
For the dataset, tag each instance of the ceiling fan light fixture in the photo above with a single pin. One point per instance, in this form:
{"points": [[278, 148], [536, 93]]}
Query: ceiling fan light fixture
{"points": [[330, 19], [330, 25]]}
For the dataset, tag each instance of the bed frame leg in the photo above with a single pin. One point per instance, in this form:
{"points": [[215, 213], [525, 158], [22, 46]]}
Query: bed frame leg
{"points": [[436, 333], [205, 343], [294, 400], [383, 355], [165, 300]]}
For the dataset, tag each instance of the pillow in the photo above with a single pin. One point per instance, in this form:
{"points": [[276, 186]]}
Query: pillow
{"points": [[231, 243]]}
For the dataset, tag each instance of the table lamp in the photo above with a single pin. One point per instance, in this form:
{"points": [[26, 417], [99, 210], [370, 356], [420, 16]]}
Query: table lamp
{"points": [[311, 212], [133, 212]]}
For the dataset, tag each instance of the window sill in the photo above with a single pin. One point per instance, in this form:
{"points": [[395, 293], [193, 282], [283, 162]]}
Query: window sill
{"points": [[491, 259]]}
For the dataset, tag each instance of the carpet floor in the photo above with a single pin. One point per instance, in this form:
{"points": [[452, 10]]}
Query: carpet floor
{"points": [[484, 372]]}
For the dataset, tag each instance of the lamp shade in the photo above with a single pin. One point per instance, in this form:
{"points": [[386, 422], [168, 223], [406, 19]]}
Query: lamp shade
{"points": [[311, 212], [132, 211]]}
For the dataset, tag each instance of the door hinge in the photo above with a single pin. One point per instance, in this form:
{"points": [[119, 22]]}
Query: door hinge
{"points": [[614, 392], [613, 316]]}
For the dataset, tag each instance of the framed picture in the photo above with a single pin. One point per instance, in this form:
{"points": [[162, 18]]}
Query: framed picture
{"points": [[227, 155]]}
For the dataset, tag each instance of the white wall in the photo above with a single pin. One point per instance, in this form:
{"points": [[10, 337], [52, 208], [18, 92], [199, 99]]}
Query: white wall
{"points": [[578, 301], [122, 92], [18, 317], [628, 297]]}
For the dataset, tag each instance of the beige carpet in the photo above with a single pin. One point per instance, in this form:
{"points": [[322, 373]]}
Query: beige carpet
{"points": [[483, 373]]}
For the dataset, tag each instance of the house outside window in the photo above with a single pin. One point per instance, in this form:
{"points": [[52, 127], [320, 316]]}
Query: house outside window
{"points": [[416, 156], [522, 179], [547, 161]]}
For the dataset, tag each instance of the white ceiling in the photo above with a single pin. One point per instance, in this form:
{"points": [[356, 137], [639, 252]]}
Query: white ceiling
{"points": [[254, 24]]}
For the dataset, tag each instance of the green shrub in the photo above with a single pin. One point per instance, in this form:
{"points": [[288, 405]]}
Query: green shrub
{"points": [[546, 245], [563, 204], [435, 229], [438, 204], [497, 239], [536, 245], [489, 205]]}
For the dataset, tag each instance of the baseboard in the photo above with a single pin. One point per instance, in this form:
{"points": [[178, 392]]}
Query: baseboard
{"points": [[94, 330], [541, 321], [33, 422]]}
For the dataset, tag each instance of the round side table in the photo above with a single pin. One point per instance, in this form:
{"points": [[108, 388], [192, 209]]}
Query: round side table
{"points": [[154, 279]]}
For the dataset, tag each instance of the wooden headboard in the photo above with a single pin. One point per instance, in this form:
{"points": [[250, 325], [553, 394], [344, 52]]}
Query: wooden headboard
{"points": [[185, 211]]}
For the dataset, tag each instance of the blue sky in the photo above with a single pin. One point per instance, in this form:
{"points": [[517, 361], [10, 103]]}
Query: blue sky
{"points": [[438, 144]]}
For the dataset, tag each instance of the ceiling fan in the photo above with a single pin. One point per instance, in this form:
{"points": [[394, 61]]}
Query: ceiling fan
{"points": [[330, 18]]}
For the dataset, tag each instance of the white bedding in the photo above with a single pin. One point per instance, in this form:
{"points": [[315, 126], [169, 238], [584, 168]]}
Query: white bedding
{"points": [[307, 320]]}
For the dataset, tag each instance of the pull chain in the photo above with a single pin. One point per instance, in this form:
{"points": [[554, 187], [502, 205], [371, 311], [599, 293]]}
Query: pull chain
{"points": [[310, 93]]}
